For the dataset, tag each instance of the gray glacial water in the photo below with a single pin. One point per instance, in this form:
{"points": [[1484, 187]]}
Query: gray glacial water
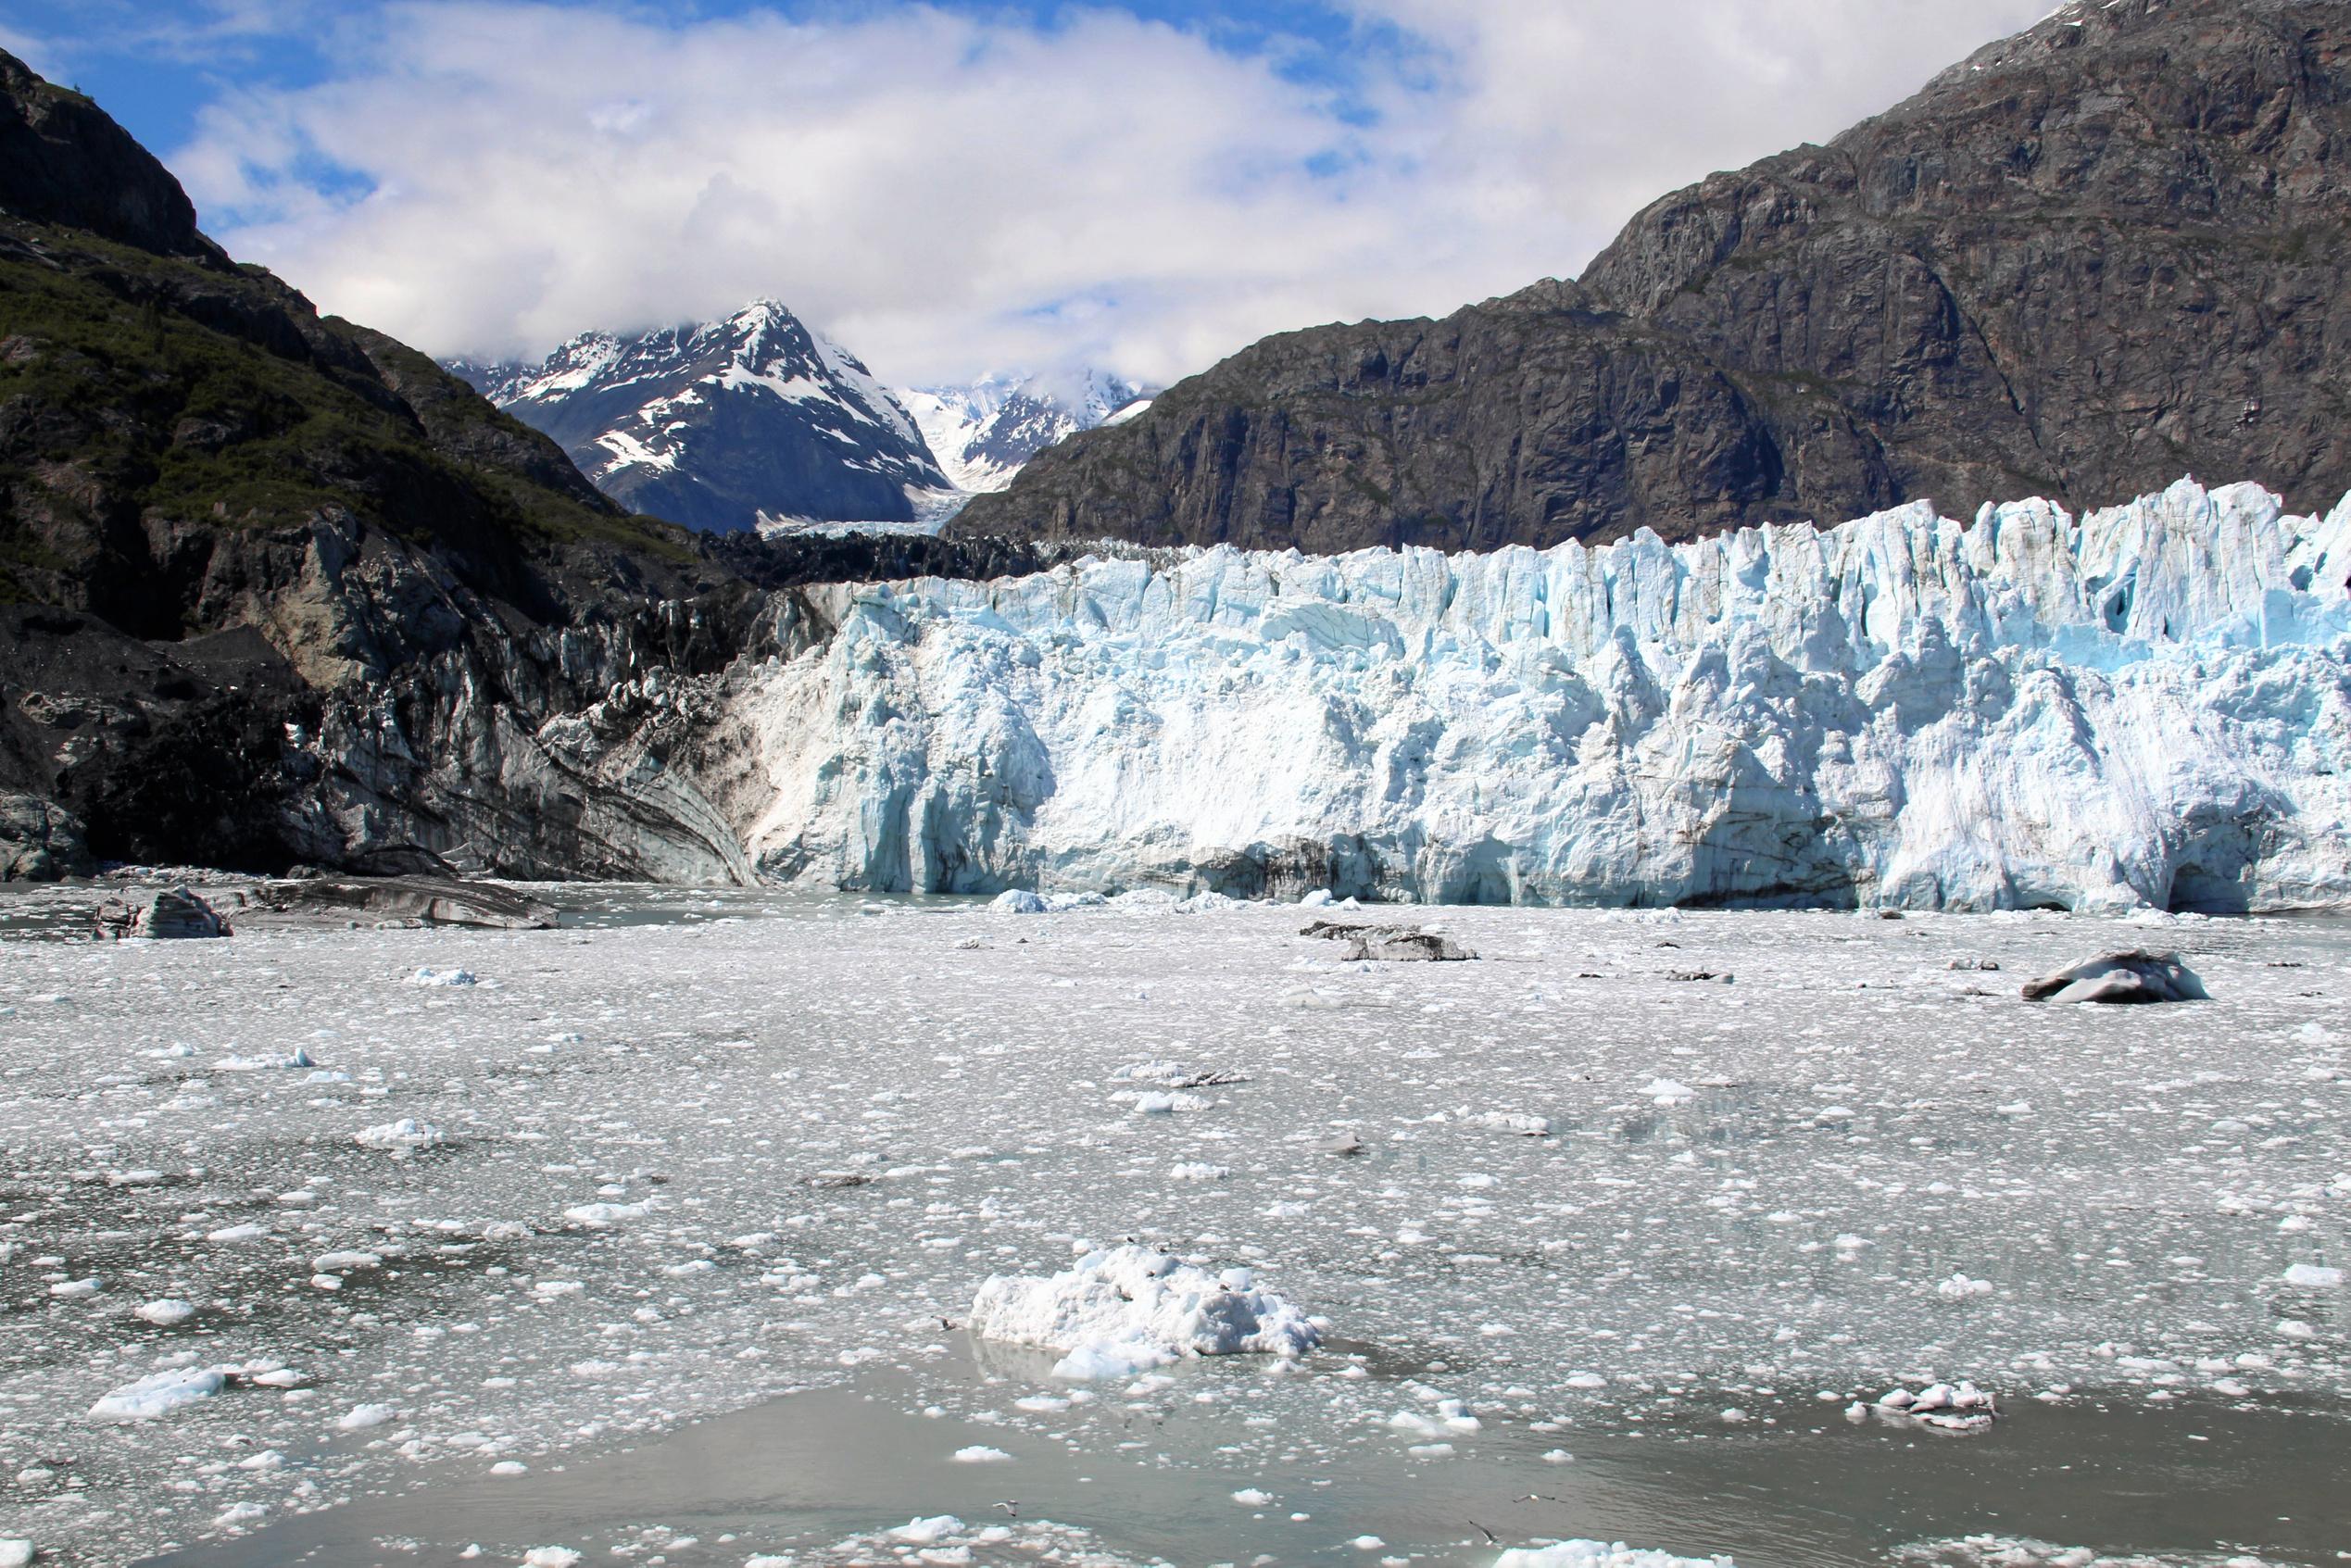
{"points": [[673, 1217]]}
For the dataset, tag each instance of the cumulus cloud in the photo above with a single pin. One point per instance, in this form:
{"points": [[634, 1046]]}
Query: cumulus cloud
{"points": [[949, 193]]}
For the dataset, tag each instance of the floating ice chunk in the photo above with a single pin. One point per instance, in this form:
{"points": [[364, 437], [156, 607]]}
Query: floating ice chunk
{"points": [[1600, 1555], [358, 1418], [1198, 1171], [160, 1393], [2313, 1276], [1167, 1105], [15, 1552], [1129, 1308], [1250, 1497], [1390, 944], [1512, 1122], [401, 1138], [929, 1532], [443, 977], [346, 1263], [1667, 1091], [75, 1289], [238, 1515], [980, 1453], [1019, 901], [2008, 1551], [1960, 1407], [552, 1557], [262, 1064], [1319, 899], [606, 1213], [2120, 977], [167, 1313], [1959, 1288], [231, 1234]]}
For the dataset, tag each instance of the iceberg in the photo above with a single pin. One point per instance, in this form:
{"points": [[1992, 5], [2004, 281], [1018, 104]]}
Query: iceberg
{"points": [[2145, 706]]}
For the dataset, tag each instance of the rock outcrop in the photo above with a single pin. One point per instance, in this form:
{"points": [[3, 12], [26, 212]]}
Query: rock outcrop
{"points": [[166, 914], [40, 841], [2098, 255]]}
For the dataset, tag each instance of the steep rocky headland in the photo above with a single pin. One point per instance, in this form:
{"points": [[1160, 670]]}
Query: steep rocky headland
{"points": [[2098, 255], [276, 589]]}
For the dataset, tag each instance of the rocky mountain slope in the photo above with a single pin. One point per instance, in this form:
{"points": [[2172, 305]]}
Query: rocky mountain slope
{"points": [[721, 425], [985, 433], [274, 588], [2095, 256]]}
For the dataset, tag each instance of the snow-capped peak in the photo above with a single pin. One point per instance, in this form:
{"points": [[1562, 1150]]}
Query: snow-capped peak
{"points": [[983, 432], [720, 424]]}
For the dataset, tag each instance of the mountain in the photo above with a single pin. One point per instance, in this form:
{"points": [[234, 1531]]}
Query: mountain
{"points": [[275, 588], [2095, 255], [983, 433], [721, 425]]}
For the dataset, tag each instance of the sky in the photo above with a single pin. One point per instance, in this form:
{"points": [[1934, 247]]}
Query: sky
{"points": [[955, 188]]}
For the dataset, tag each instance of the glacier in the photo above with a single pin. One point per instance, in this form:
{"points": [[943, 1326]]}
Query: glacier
{"points": [[2149, 705]]}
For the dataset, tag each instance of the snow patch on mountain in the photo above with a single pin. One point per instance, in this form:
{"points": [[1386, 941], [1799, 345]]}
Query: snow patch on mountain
{"points": [[2150, 706]]}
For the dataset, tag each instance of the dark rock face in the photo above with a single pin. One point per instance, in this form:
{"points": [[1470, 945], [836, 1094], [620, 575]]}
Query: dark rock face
{"points": [[40, 841], [63, 161], [2099, 255], [713, 426]]}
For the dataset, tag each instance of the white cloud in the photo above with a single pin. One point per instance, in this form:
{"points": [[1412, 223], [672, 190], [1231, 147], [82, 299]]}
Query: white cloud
{"points": [[39, 54], [949, 193]]}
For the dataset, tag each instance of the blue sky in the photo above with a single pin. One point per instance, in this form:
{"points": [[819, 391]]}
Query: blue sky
{"points": [[156, 63], [956, 187]]}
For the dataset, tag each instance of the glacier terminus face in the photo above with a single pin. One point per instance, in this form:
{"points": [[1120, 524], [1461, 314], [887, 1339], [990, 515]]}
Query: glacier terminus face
{"points": [[2147, 705]]}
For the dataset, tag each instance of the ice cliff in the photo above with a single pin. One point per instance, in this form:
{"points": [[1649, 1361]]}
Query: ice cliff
{"points": [[2147, 705]]}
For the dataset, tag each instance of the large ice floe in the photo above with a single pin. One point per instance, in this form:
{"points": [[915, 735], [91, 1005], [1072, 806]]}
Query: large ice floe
{"points": [[2150, 705], [1123, 1309]]}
